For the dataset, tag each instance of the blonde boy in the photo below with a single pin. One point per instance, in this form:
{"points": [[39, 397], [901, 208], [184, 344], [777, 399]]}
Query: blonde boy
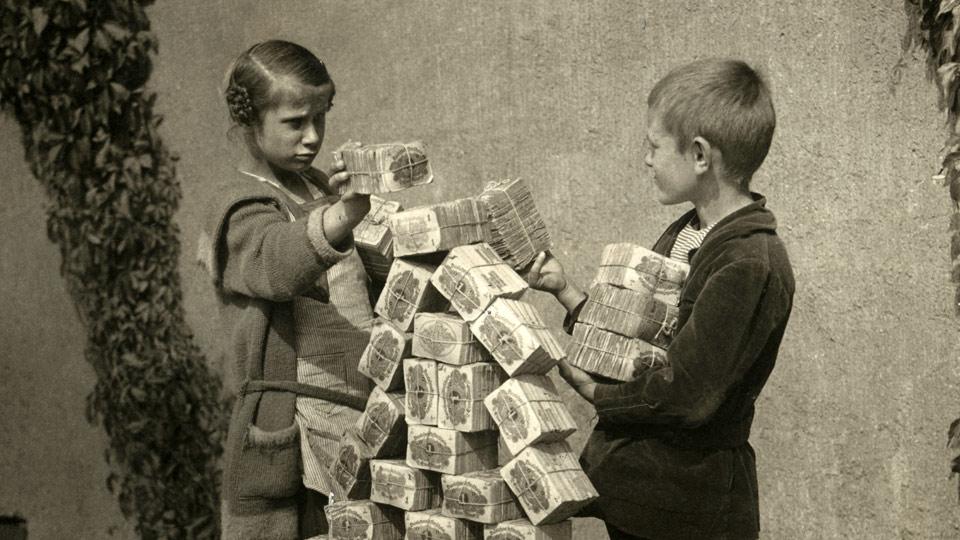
{"points": [[670, 455]]}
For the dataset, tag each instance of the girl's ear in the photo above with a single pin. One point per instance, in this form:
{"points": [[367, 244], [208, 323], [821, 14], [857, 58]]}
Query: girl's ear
{"points": [[702, 153]]}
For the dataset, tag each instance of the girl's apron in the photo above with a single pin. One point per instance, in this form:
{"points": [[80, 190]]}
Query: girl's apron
{"points": [[331, 328]]}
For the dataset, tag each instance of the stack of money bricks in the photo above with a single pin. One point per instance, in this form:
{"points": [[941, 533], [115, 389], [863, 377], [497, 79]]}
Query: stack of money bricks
{"points": [[459, 361], [631, 313]]}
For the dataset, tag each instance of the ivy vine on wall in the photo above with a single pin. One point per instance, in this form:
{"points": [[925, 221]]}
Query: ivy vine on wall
{"points": [[933, 26], [72, 73]]}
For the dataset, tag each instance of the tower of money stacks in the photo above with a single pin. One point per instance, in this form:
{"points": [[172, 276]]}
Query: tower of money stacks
{"points": [[459, 361], [630, 315]]}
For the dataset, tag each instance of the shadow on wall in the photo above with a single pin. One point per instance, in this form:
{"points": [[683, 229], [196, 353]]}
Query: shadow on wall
{"points": [[13, 528]]}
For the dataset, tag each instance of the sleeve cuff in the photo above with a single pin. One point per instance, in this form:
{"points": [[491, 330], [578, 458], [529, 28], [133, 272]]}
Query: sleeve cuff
{"points": [[573, 316], [318, 239]]}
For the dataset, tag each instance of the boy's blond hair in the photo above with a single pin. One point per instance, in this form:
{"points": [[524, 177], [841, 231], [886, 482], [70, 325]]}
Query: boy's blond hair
{"points": [[724, 101]]}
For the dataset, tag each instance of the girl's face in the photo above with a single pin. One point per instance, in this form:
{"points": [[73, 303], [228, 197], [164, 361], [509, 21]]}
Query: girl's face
{"points": [[290, 133]]}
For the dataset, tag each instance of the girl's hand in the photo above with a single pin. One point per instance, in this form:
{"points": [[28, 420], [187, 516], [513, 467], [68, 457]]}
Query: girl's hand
{"points": [[337, 174], [580, 380]]}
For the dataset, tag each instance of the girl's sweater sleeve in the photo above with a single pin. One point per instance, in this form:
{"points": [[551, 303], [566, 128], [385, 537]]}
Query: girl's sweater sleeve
{"points": [[730, 322], [259, 254]]}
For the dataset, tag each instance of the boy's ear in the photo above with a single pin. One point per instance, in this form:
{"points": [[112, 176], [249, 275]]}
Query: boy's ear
{"points": [[702, 153]]}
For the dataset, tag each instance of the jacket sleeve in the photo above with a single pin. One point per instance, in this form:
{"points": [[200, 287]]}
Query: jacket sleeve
{"points": [[729, 324], [262, 255]]}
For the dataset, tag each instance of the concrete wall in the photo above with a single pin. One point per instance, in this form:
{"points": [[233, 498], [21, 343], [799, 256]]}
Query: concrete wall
{"points": [[851, 428]]}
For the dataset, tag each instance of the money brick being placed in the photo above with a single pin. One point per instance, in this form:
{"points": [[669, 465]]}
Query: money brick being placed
{"points": [[433, 525], [373, 238], [438, 227], [402, 486], [549, 482], [522, 529], [364, 520], [462, 390], [517, 338], [382, 426], [407, 291], [382, 360], [446, 338], [350, 469], [382, 168], [611, 355], [517, 231], [633, 267], [481, 496], [422, 391], [528, 409], [449, 451], [472, 277]]}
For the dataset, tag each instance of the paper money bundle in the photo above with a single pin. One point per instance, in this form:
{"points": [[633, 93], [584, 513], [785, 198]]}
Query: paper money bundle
{"points": [[471, 277], [438, 227], [399, 485], [462, 390], [381, 168], [381, 361], [522, 529], [433, 525], [446, 338], [350, 469], [517, 338], [528, 410], [407, 291], [549, 482], [481, 496], [517, 231], [364, 520], [600, 352], [449, 451], [630, 313], [633, 267], [381, 426], [422, 390], [373, 238]]}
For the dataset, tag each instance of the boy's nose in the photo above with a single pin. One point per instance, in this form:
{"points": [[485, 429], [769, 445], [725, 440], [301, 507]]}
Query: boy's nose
{"points": [[311, 136]]}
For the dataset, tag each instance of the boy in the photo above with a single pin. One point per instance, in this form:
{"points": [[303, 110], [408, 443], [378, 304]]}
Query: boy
{"points": [[669, 455]]}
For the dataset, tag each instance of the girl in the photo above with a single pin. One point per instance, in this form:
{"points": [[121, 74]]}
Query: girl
{"points": [[293, 293]]}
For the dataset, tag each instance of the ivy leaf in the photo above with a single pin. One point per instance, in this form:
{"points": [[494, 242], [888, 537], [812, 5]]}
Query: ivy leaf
{"points": [[948, 6], [947, 83], [39, 17], [116, 31], [953, 435], [80, 42]]}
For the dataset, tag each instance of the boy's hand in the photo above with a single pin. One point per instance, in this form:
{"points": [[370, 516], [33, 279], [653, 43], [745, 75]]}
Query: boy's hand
{"points": [[546, 274], [580, 380]]}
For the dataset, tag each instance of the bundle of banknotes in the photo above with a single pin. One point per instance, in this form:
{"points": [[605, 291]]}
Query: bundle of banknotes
{"points": [[612, 355], [548, 480], [382, 168], [438, 227], [517, 231]]}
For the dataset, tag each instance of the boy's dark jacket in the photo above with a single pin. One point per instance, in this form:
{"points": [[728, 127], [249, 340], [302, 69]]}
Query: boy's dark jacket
{"points": [[669, 455]]}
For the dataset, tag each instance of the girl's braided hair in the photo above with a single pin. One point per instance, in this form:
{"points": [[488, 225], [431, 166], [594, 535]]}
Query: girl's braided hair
{"points": [[251, 87]]}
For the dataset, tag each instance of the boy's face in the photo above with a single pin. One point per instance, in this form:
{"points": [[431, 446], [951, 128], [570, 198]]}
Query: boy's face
{"points": [[674, 174]]}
